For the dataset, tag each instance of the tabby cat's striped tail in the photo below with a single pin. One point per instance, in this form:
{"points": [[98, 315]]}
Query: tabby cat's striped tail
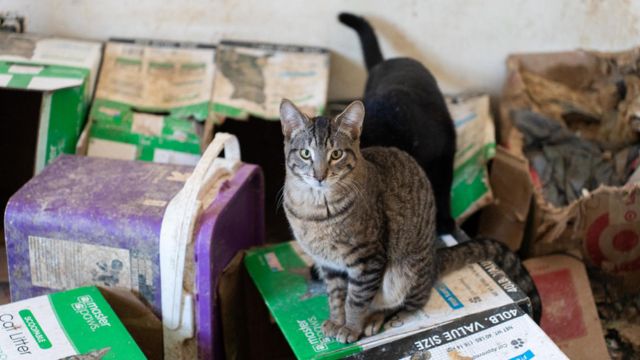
{"points": [[485, 249], [368, 39]]}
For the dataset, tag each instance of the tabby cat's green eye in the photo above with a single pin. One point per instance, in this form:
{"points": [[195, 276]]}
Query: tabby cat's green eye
{"points": [[305, 154], [336, 154]]}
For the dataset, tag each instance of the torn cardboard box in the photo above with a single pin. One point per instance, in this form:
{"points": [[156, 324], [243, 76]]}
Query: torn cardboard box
{"points": [[569, 314], [253, 78], [46, 86], [74, 324], [152, 102], [585, 101], [299, 305]]}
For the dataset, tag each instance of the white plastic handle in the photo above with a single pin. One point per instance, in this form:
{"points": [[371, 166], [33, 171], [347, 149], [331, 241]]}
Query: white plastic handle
{"points": [[178, 225]]}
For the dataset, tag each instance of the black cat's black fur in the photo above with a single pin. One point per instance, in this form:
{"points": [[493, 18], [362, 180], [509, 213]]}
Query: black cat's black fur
{"points": [[405, 108]]}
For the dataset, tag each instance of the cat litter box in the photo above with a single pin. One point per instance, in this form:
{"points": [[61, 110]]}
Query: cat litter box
{"points": [[164, 231]]}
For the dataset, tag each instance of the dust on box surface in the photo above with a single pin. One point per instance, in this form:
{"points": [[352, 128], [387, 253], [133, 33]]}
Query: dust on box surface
{"points": [[299, 305], [90, 221]]}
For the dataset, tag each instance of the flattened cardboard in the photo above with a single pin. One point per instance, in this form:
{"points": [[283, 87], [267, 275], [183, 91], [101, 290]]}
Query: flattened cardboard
{"points": [[299, 305], [505, 332], [569, 314]]}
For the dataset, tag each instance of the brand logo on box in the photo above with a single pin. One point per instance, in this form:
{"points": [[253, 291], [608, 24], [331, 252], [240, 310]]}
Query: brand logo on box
{"points": [[313, 332], [90, 312]]}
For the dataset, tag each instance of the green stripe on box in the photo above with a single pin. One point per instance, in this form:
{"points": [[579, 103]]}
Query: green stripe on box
{"points": [[35, 329], [91, 325], [161, 65], [20, 81], [104, 109], [230, 111], [127, 61]]}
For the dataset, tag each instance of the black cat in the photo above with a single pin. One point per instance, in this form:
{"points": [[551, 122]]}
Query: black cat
{"points": [[405, 108]]}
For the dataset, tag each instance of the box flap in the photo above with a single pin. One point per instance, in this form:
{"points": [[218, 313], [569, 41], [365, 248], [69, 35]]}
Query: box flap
{"points": [[30, 76], [34, 50]]}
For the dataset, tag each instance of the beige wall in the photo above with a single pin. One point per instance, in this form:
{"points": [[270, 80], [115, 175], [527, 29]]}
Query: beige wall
{"points": [[463, 42]]}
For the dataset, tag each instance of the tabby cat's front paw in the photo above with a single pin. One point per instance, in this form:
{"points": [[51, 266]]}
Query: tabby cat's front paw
{"points": [[330, 328], [342, 333], [374, 324]]}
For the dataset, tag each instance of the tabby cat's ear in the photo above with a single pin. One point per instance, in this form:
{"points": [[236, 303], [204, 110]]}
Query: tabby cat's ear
{"points": [[291, 118], [350, 120]]}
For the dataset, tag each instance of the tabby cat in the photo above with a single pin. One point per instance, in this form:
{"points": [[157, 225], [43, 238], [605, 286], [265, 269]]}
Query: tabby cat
{"points": [[367, 218]]}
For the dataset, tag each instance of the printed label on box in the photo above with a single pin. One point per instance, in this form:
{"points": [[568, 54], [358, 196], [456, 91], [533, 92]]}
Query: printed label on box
{"points": [[501, 333], [60, 264], [64, 326]]}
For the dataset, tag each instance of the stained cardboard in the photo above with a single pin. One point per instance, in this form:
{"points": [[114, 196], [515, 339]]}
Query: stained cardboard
{"points": [[569, 314]]}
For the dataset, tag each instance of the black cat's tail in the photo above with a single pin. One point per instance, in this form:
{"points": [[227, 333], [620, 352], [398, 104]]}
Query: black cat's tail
{"points": [[486, 249], [368, 39]]}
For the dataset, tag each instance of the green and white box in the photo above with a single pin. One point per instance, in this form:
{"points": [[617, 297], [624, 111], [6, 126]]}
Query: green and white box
{"points": [[64, 325], [63, 73], [475, 146], [152, 101], [46, 86], [299, 305]]}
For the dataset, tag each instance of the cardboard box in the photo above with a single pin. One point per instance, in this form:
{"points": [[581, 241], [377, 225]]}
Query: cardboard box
{"points": [[569, 314], [65, 325], [299, 305], [95, 221], [475, 146], [252, 78], [604, 223], [46, 86], [506, 217], [505, 332], [152, 102]]}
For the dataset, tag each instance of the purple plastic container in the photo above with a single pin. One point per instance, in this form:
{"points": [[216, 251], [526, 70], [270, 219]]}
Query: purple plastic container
{"points": [[87, 220]]}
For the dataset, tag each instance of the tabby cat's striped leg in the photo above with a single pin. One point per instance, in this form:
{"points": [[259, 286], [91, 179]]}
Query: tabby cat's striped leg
{"points": [[336, 282], [365, 277]]}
